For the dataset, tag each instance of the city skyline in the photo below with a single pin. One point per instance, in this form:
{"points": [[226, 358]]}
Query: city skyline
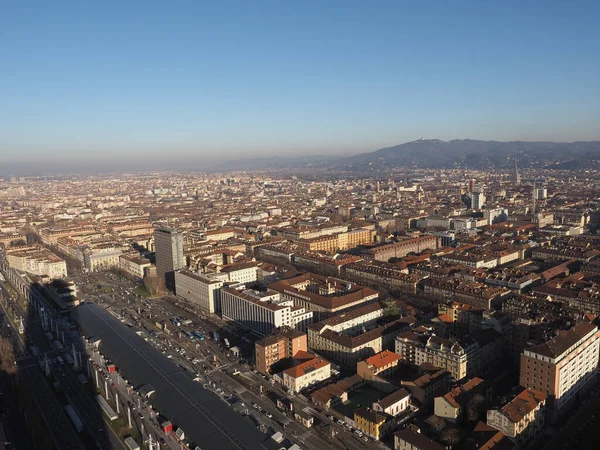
{"points": [[96, 84]]}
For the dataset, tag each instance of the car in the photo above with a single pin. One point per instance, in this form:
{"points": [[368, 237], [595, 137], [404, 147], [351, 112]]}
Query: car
{"points": [[269, 415], [331, 417], [340, 421], [366, 439], [358, 433], [255, 406]]}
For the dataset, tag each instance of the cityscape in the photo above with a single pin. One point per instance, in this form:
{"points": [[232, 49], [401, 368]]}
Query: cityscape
{"points": [[428, 309], [276, 225]]}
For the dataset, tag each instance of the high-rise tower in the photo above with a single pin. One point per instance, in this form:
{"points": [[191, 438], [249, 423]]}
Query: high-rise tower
{"points": [[169, 254], [516, 174]]}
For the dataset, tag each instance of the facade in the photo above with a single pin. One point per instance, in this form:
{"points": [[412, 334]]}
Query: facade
{"points": [[241, 273], [451, 405], [461, 358], [262, 312], [522, 419], [371, 423], [394, 404], [477, 200], [134, 265], [324, 296], [384, 364], [401, 249], [564, 367], [383, 275], [36, 260], [169, 254], [307, 373], [203, 290], [272, 349], [408, 439], [99, 259]]}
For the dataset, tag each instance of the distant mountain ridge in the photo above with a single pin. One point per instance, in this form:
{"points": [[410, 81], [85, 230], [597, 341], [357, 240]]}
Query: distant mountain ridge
{"points": [[474, 154]]}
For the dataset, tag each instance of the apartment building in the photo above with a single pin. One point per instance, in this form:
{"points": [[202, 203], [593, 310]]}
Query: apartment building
{"points": [[50, 236], [356, 335], [203, 290], [408, 439], [101, 258], [383, 364], [306, 373], [36, 260], [296, 233], [241, 273], [564, 367], [372, 423], [262, 312], [462, 358], [323, 295], [400, 249], [272, 349], [452, 404], [134, 265], [379, 274], [471, 292], [522, 419]]}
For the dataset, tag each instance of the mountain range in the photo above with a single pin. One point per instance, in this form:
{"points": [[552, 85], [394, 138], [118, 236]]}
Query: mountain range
{"points": [[474, 154]]}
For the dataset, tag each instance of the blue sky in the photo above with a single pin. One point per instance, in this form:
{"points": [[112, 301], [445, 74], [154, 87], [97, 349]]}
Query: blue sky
{"points": [[95, 80]]}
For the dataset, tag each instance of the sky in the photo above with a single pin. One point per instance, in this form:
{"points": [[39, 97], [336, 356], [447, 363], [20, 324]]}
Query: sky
{"points": [[113, 80]]}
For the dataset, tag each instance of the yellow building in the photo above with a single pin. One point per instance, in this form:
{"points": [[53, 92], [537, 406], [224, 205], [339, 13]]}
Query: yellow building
{"points": [[371, 423]]}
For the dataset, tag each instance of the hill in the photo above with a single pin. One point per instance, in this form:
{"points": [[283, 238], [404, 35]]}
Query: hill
{"points": [[468, 153]]}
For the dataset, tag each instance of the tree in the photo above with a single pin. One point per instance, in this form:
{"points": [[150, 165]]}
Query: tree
{"points": [[450, 436], [391, 309], [7, 357], [154, 285], [475, 407]]}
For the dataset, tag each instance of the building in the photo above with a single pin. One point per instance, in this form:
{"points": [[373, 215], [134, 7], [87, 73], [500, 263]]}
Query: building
{"points": [[393, 404], [522, 419], [383, 275], [451, 406], [357, 334], [324, 296], [36, 260], [408, 439], [383, 364], [101, 258], [262, 312], [563, 368], [203, 290], [477, 200], [241, 273], [169, 254], [401, 249], [272, 349], [134, 265], [484, 437], [306, 373], [462, 358], [372, 423], [432, 383]]}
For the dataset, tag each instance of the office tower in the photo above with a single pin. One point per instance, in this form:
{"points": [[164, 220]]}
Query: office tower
{"points": [[564, 367], [169, 254], [477, 200], [471, 185]]}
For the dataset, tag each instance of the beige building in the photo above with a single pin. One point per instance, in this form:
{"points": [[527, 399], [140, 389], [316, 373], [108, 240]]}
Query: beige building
{"points": [[522, 419], [564, 367], [307, 373], [203, 290], [36, 260], [134, 265]]}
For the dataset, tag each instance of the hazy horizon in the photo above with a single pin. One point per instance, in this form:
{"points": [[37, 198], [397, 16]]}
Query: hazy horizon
{"points": [[143, 82]]}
